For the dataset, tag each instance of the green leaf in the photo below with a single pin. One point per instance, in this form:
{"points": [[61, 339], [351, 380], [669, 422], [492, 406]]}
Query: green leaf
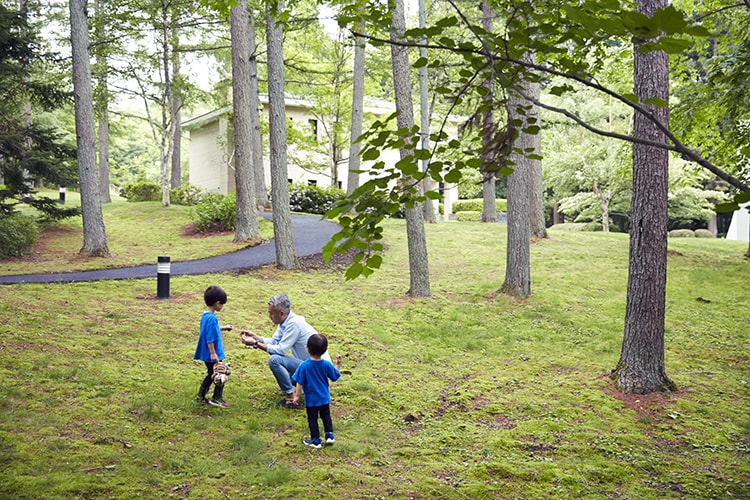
{"points": [[742, 197], [727, 207], [353, 271], [506, 171], [374, 262], [422, 61], [631, 97], [656, 102], [531, 130], [370, 154], [745, 151], [674, 45], [453, 176]]}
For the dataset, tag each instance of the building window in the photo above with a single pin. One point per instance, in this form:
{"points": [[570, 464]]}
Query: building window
{"points": [[314, 127], [290, 181], [312, 182]]}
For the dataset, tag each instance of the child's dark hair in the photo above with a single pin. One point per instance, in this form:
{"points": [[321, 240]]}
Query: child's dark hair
{"points": [[214, 294], [317, 344]]}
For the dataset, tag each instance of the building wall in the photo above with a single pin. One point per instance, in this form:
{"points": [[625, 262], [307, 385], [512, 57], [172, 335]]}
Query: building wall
{"points": [[210, 157]]}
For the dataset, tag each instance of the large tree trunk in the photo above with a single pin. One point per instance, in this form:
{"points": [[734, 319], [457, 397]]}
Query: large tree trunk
{"points": [[282, 219], [358, 97], [489, 167], [261, 190], [416, 240], [518, 260], [94, 236], [244, 178], [640, 369]]}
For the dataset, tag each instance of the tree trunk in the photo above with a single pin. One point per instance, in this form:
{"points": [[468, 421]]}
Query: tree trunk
{"points": [[358, 97], [176, 113], [244, 179], [424, 118], [640, 369], [261, 191], [94, 236], [282, 221], [518, 261], [102, 106], [416, 241], [489, 167], [537, 222]]}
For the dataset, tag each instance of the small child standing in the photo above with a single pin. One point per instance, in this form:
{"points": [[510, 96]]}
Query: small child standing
{"points": [[312, 376], [210, 349]]}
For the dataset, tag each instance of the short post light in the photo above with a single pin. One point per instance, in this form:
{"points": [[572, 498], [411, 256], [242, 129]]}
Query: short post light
{"points": [[62, 195], [163, 268]]}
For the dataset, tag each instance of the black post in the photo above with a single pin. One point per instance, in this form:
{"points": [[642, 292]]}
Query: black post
{"points": [[162, 277], [62, 195]]}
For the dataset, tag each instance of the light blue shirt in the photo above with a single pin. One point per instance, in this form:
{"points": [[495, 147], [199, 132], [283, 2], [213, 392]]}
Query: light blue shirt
{"points": [[292, 336]]}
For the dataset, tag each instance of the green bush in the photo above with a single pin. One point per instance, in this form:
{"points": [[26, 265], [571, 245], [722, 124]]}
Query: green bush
{"points": [[216, 211], [141, 191], [17, 234], [682, 233], [468, 216], [477, 205], [703, 233], [578, 226], [313, 199], [186, 194]]}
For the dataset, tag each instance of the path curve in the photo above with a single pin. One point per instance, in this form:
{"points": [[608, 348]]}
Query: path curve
{"points": [[310, 233]]}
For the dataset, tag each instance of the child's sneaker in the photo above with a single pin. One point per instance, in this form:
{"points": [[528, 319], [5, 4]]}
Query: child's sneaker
{"points": [[201, 400], [315, 443], [218, 404], [329, 438]]}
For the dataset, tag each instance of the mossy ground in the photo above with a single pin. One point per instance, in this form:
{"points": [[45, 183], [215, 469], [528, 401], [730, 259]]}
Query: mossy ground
{"points": [[468, 394]]}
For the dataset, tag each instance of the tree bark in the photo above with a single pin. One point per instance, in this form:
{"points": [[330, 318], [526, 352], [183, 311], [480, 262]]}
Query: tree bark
{"points": [[424, 118], [640, 369], [94, 235], [102, 106], [176, 114], [489, 191], [416, 241], [261, 190], [518, 256], [282, 221], [244, 179], [358, 97]]}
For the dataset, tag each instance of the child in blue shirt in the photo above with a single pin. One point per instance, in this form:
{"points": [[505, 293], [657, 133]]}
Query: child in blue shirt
{"points": [[312, 376], [210, 349]]}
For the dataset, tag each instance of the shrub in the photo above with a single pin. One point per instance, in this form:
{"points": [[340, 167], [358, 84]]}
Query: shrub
{"points": [[681, 233], [578, 226], [703, 233], [186, 194], [141, 191], [477, 205], [468, 216], [313, 199], [216, 211], [17, 234]]}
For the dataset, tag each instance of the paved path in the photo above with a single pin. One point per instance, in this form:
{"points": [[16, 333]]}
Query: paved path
{"points": [[310, 234]]}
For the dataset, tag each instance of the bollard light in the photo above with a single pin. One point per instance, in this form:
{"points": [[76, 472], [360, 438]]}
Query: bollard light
{"points": [[62, 195], [162, 277]]}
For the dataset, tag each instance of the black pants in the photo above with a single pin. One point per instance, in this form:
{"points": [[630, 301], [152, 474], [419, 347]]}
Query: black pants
{"points": [[312, 419], [218, 389]]}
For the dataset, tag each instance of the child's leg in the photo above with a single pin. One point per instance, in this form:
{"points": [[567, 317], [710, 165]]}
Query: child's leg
{"points": [[325, 416], [312, 421], [206, 381]]}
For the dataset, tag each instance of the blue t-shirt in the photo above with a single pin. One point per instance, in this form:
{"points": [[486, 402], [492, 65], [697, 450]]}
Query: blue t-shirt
{"points": [[313, 376], [210, 332]]}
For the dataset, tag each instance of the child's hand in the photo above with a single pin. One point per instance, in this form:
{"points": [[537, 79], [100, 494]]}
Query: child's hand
{"points": [[338, 361], [295, 399], [226, 328]]}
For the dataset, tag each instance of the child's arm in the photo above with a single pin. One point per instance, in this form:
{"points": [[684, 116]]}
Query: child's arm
{"points": [[338, 362], [226, 328], [297, 393], [213, 355]]}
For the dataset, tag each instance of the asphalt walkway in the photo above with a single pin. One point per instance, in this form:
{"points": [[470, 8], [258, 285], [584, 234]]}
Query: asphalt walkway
{"points": [[310, 233]]}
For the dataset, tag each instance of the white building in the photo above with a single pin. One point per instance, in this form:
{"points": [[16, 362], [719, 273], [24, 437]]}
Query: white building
{"points": [[211, 151], [739, 228]]}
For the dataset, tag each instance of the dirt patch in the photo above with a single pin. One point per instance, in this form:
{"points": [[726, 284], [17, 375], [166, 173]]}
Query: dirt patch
{"points": [[191, 231], [644, 405]]}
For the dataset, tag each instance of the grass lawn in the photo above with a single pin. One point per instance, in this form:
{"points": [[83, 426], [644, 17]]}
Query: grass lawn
{"points": [[468, 394]]}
